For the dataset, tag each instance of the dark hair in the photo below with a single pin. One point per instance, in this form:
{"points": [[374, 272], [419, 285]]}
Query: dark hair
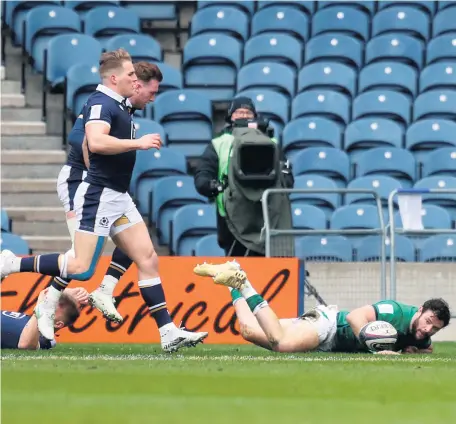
{"points": [[146, 72], [70, 309], [440, 309]]}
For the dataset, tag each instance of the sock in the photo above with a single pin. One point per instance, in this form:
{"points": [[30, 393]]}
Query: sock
{"points": [[119, 264], [43, 264], [235, 295], [59, 283], [254, 300], [154, 296]]}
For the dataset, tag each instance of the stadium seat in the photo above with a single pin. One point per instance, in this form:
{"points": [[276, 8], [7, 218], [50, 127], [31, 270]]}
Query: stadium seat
{"points": [[140, 46], [444, 4], [343, 19], [78, 48], [440, 48], [15, 243], [84, 6], [81, 81], [308, 217], [172, 78], [245, 5], [305, 6], [402, 18], [189, 223], [324, 249], [283, 19], [429, 134], [328, 76], [6, 226], [432, 217], [312, 131], [440, 248], [267, 76], [444, 22], [381, 184], [354, 217], [366, 133], [153, 10], [224, 19], [440, 162], [446, 200], [210, 64], [391, 161], [105, 21], [398, 47], [208, 245], [366, 6], [325, 201], [428, 6], [330, 104], [441, 75], [335, 47], [325, 161], [282, 48], [145, 126], [44, 22], [186, 117], [435, 104], [388, 75], [383, 103], [170, 193], [369, 249]]}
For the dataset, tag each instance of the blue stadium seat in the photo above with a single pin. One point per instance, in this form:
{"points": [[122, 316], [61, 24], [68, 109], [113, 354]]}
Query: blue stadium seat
{"points": [[270, 104], [305, 6], [432, 217], [441, 75], [210, 64], [366, 6], [444, 4], [440, 48], [446, 200], [398, 47], [429, 134], [267, 76], [245, 5], [170, 193], [189, 223], [383, 103], [208, 245], [329, 76], [224, 19], [78, 48], [440, 248], [435, 104], [388, 75], [344, 19], [172, 78], [15, 243], [105, 21], [282, 48], [44, 22], [325, 201], [366, 133], [140, 46], [324, 249], [326, 161], [153, 10], [428, 6], [81, 81], [355, 217], [283, 19], [312, 131], [145, 126], [330, 104], [369, 249], [5, 221], [186, 117], [84, 5], [391, 161], [381, 184], [444, 22], [440, 162], [308, 217], [401, 18], [335, 47]]}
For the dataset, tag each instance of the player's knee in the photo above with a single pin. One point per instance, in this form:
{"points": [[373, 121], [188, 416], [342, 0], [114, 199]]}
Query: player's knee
{"points": [[246, 331], [149, 261], [80, 271]]}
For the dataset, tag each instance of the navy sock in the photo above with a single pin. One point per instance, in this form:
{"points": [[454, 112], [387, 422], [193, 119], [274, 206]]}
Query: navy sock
{"points": [[154, 296], [59, 283], [43, 264], [119, 264]]}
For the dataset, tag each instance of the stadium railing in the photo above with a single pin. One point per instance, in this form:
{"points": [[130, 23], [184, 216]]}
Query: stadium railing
{"points": [[347, 284]]}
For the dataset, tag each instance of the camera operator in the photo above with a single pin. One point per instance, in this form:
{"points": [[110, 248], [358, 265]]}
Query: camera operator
{"points": [[211, 177]]}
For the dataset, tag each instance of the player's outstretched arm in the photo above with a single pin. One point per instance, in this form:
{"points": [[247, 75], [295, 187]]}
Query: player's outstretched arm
{"points": [[359, 317], [100, 142], [415, 350]]}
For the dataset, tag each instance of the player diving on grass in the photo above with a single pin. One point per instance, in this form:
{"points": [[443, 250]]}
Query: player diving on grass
{"points": [[324, 328], [104, 208]]}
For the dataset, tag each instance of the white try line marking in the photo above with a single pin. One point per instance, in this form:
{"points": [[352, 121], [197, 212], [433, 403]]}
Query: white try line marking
{"points": [[227, 358]]}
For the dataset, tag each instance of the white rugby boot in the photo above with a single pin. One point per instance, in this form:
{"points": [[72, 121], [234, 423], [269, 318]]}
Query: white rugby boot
{"points": [[45, 315], [7, 259], [228, 274], [105, 304], [175, 338]]}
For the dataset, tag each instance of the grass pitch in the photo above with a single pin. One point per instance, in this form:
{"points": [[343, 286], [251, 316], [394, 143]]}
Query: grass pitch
{"points": [[126, 384]]}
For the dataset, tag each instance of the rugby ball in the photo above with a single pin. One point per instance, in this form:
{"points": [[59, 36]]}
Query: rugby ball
{"points": [[378, 336]]}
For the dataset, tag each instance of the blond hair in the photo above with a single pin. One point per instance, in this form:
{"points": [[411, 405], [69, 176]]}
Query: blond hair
{"points": [[112, 61]]}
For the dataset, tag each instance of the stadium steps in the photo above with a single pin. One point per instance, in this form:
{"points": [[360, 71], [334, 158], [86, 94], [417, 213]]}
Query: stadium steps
{"points": [[21, 114], [34, 142], [29, 192], [12, 100], [23, 128], [32, 163], [2, 73]]}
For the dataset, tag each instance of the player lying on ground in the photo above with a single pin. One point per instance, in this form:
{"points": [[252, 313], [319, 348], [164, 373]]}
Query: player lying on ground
{"points": [[20, 331], [324, 328]]}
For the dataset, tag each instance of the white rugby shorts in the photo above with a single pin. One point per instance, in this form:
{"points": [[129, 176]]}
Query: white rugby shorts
{"points": [[324, 319], [67, 184]]}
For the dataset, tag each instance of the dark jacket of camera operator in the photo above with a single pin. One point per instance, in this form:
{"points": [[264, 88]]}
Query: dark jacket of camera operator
{"points": [[210, 176]]}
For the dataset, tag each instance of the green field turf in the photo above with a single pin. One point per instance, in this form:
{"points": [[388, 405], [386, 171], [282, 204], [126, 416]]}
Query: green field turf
{"points": [[123, 384]]}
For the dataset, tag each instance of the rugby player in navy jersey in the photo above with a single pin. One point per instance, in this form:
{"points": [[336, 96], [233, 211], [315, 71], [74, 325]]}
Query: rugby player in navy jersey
{"points": [[104, 208]]}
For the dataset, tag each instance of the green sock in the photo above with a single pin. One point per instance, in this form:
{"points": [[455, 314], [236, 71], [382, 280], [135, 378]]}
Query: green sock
{"points": [[256, 302], [235, 295]]}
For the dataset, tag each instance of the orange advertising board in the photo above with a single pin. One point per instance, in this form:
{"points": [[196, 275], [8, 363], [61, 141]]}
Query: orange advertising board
{"points": [[193, 301]]}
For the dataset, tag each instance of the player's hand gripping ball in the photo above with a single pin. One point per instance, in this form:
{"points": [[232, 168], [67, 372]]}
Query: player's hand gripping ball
{"points": [[378, 336]]}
